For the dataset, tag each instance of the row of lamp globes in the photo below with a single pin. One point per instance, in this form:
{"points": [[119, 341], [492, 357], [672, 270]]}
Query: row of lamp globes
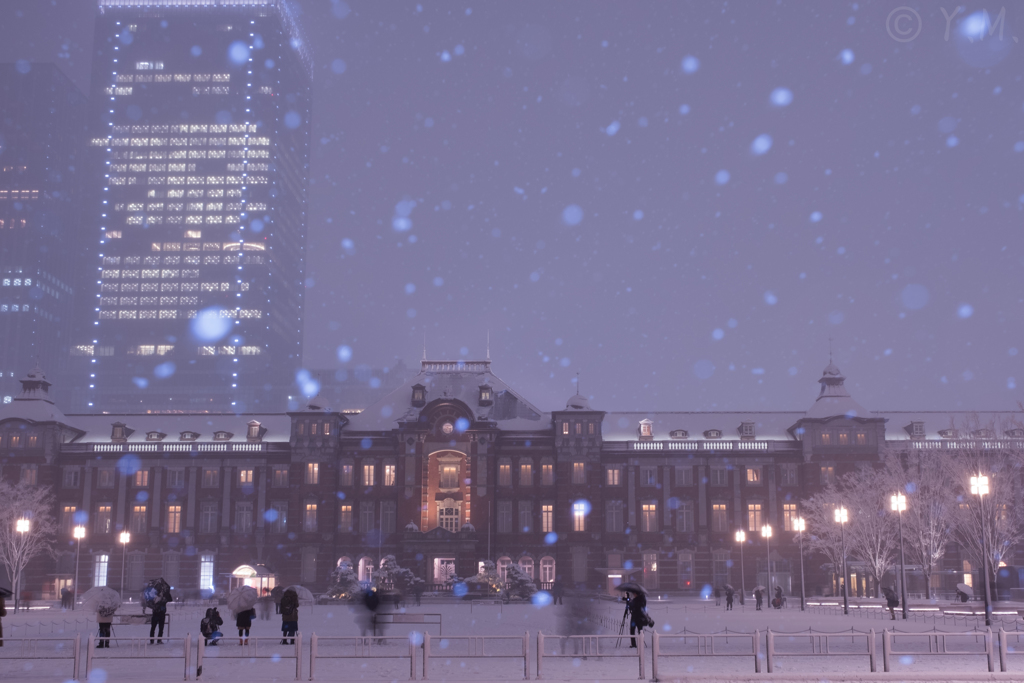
{"points": [[799, 525]]}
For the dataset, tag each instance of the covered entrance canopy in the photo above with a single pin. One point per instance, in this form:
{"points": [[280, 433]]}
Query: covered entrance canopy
{"points": [[259, 577]]}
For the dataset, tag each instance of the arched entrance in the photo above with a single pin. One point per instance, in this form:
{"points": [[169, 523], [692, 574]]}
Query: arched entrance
{"points": [[258, 576]]}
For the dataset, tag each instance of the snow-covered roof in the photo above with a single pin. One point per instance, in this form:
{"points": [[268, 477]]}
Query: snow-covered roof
{"points": [[97, 428], [834, 399], [455, 381], [33, 404], [899, 426], [767, 425]]}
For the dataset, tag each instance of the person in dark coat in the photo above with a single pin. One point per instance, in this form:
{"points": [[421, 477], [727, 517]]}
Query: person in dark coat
{"points": [[557, 592], [637, 607], [417, 590], [243, 622], [718, 596], [758, 597], [289, 616], [104, 618], [891, 601], [159, 617], [275, 595], [777, 603], [65, 598], [729, 594], [3, 613], [265, 602], [210, 626]]}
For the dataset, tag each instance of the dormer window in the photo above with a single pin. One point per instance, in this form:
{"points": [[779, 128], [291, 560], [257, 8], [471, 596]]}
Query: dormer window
{"points": [[713, 434], [646, 429], [916, 430], [679, 434], [1015, 433], [119, 432], [486, 396], [188, 436], [254, 431], [419, 395], [983, 434], [155, 436], [222, 436], [746, 430], [948, 433]]}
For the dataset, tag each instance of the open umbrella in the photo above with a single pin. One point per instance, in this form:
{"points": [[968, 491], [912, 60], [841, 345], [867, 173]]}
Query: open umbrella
{"points": [[964, 588], [729, 587], [305, 597], [760, 588], [242, 599], [632, 587], [101, 598]]}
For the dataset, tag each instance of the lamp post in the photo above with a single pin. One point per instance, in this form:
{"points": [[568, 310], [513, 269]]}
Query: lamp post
{"points": [[979, 488], [125, 537], [899, 504], [79, 534], [799, 526], [842, 517], [766, 532], [741, 538], [21, 526]]}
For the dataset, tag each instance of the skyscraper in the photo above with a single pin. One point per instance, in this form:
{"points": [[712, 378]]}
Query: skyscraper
{"points": [[200, 128], [42, 136]]}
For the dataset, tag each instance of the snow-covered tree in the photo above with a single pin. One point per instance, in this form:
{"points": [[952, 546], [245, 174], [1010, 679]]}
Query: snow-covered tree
{"points": [[344, 582], [924, 477], [17, 549], [823, 534], [872, 535], [396, 576], [519, 582]]}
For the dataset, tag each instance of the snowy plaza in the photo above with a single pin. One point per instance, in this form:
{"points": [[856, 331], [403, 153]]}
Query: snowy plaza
{"points": [[484, 640]]}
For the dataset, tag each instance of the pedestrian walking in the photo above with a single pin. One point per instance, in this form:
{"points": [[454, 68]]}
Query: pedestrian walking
{"points": [[577, 619], [276, 595], [65, 598], [210, 626], [243, 622], [104, 618], [758, 597], [265, 602], [891, 601], [777, 602], [289, 616], [417, 590], [718, 596], [159, 606], [558, 592], [729, 594]]}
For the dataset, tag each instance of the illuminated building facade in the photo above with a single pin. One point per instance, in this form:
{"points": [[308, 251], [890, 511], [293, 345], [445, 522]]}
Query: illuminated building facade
{"points": [[42, 137], [200, 134]]}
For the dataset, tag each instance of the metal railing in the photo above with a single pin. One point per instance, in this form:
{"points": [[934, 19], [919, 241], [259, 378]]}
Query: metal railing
{"points": [[362, 647], [590, 646], [250, 650], [704, 646], [821, 644], [388, 618], [937, 645], [475, 649], [27, 648], [138, 648]]}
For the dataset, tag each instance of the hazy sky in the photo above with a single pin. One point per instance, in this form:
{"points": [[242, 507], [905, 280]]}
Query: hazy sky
{"points": [[681, 201]]}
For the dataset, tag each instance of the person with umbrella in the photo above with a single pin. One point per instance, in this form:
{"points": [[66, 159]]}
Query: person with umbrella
{"points": [[276, 595], [758, 597], [777, 602], [289, 615], [730, 593], [157, 595], [104, 601], [635, 597], [241, 601]]}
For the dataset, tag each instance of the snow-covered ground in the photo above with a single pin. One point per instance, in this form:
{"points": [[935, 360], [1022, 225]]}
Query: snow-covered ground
{"points": [[229, 661]]}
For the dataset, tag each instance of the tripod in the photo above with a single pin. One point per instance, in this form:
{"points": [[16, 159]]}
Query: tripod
{"points": [[622, 625]]}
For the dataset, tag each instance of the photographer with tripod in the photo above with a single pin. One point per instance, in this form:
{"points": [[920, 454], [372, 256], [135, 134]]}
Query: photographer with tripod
{"points": [[636, 609]]}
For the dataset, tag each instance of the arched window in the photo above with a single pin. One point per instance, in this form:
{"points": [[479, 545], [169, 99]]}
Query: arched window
{"points": [[526, 564], [547, 570], [366, 569], [344, 560], [503, 563]]}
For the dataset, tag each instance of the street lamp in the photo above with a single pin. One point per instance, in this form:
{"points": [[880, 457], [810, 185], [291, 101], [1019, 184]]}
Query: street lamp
{"points": [[21, 526], [979, 488], [841, 519], [799, 526], [79, 534], [741, 538], [125, 537], [766, 532], [899, 504]]}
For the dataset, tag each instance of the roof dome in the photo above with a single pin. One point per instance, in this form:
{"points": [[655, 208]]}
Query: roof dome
{"points": [[577, 402], [468, 527]]}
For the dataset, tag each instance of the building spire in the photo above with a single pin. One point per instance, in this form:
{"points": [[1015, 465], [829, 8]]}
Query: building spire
{"points": [[488, 344], [424, 344], [577, 383]]}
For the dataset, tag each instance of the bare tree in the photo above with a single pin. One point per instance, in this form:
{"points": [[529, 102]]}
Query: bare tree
{"points": [[823, 534], [979, 450], [18, 548], [924, 477], [872, 533]]}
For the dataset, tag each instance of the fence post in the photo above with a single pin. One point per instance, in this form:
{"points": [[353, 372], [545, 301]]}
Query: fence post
{"points": [[312, 655], [871, 650], [769, 649], [88, 654], [885, 650], [1002, 649], [412, 661], [654, 657], [298, 656], [426, 652], [526, 655], [188, 653], [757, 651], [78, 656], [540, 652], [640, 654], [988, 650], [200, 651]]}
